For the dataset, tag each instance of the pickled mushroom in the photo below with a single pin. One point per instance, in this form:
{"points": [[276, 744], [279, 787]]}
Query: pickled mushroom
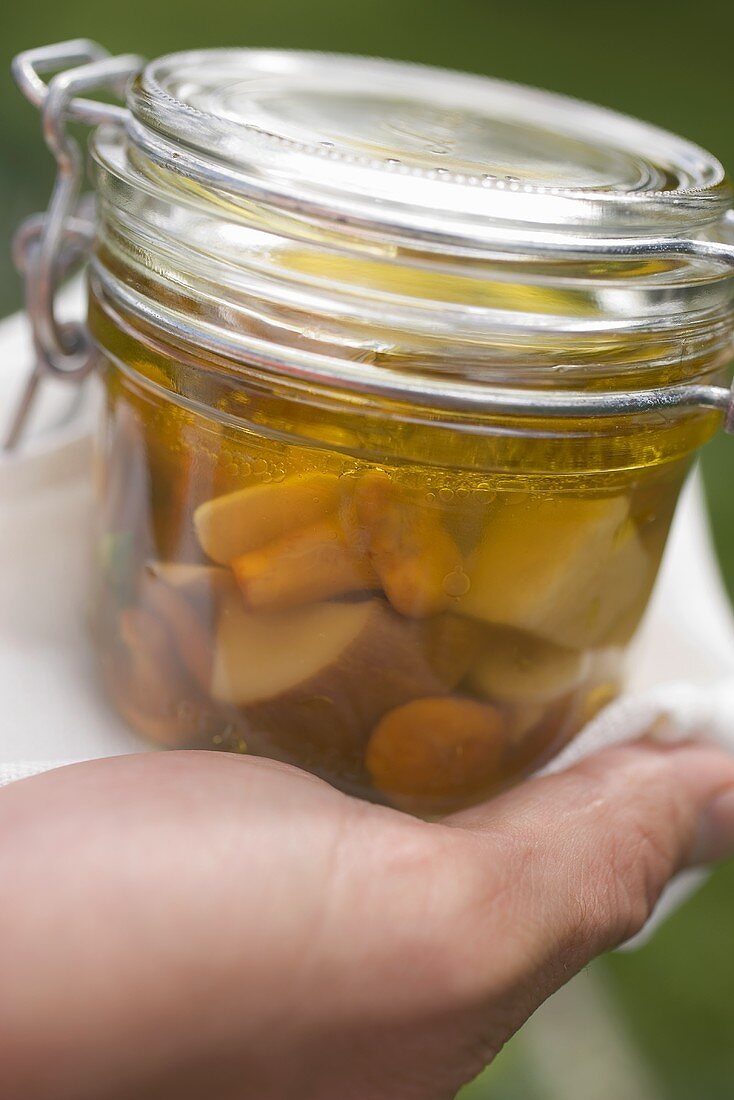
{"points": [[231, 525], [517, 667], [410, 549], [305, 566], [437, 748], [184, 599], [149, 685], [565, 569]]}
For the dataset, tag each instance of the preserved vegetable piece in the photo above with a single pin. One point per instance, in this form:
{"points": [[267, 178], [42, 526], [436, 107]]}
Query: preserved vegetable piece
{"points": [[309, 564], [545, 566], [149, 686], [620, 594], [232, 525], [536, 732], [201, 585], [265, 657], [440, 750], [187, 629], [628, 579], [451, 644], [411, 551], [521, 719], [520, 668]]}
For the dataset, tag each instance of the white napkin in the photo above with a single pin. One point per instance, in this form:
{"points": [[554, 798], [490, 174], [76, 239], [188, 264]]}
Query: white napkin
{"points": [[52, 712], [50, 707]]}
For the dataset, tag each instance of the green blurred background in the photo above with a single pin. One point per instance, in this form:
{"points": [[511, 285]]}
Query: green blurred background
{"points": [[657, 1024]]}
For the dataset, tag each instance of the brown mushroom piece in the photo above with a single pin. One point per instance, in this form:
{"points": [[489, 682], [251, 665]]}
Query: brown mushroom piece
{"points": [[185, 599], [312, 682], [149, 687]]}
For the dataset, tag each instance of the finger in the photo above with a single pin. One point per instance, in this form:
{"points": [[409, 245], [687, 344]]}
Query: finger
{"points": [[586, 853]]}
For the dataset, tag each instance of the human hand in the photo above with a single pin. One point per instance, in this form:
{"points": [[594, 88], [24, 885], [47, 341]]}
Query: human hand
{"points": [[197, 926]]}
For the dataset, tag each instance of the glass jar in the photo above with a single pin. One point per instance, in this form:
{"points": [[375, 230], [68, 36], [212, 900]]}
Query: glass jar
{"points": [[403, 372]]}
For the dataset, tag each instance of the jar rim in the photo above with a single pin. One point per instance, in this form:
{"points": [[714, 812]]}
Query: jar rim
{"points": [[453, 161], [208, 212], [201, 236]]}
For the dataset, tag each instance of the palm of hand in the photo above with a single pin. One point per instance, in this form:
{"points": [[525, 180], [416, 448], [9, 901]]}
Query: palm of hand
{"points": [[235, 928]]}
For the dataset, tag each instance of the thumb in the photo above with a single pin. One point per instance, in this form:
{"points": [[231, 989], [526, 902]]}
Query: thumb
{"points": [[586, 853]]}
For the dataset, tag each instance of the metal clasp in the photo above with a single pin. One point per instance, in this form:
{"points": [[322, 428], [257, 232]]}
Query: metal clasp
{"points": [[48, 246]]}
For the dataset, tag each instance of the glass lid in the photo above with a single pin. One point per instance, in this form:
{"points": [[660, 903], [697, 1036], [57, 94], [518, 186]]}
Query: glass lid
{"points": [[421, 153]]}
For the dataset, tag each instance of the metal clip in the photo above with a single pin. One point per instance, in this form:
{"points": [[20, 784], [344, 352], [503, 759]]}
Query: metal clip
{"points": [[48, 246]]}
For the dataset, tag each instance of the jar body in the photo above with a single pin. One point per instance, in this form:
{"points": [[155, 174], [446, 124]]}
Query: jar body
{"points": [[419, 615]]}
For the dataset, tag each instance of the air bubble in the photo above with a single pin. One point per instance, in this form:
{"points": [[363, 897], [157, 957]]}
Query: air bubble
{"points": [[485, 493], [456, 584]]}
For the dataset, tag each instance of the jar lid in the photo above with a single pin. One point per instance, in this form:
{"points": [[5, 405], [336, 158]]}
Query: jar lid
{"points": [[448, 159]]}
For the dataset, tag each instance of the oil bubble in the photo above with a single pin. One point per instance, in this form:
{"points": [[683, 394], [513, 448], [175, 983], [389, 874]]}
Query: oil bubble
{"points": [[456, 583]]}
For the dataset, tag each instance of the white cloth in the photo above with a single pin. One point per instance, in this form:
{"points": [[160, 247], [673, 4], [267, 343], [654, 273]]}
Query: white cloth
{"points": [[50, 705], [52, 712]]}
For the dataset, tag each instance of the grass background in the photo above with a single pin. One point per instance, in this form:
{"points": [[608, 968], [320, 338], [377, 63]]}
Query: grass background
{"points": [[672, 1003]]}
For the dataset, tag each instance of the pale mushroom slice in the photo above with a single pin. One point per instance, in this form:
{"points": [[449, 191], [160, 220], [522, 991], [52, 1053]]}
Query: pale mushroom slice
{"points": [[516, 667], [231, 525], [563, 568]]}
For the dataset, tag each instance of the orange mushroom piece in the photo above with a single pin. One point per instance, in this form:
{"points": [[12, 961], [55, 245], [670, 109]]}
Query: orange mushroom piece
{"points": [[303, 567], [437, 749], [413, 554]]}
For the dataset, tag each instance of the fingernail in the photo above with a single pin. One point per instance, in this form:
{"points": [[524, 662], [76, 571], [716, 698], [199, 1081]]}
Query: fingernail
{"points": [[716, 830]]}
